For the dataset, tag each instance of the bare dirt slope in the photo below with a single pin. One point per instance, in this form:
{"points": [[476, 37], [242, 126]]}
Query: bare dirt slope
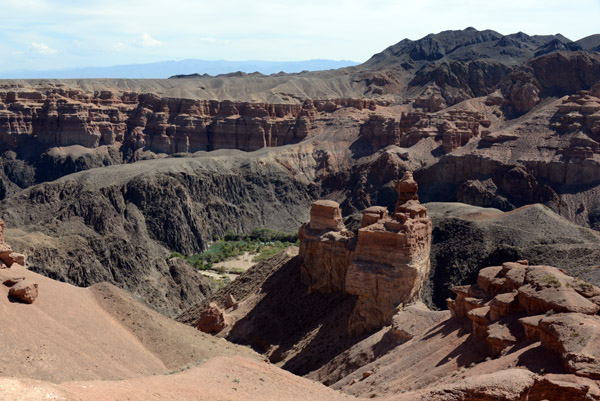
{"points": [[288, 88], [72, 333], [221, 378], [277, 316]]}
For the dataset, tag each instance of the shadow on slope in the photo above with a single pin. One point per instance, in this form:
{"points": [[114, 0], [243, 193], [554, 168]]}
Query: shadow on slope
{"points": [[301, 331]]}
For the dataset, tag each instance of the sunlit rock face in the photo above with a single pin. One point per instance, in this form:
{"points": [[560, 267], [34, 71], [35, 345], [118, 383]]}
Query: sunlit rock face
{"points": [[385, 266]]}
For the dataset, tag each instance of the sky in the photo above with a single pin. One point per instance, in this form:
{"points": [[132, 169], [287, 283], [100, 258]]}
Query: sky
{"points": [[54, 34]]}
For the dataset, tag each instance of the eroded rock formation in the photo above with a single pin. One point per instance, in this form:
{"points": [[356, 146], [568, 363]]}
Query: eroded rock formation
{"points": [[514, 302], [325, 247], [385, 266], [212, 319], [453, 127], [63, 117], [20, 289], [60, 117]]}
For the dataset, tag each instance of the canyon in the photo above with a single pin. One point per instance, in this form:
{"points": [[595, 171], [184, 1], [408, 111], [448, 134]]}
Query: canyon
{"points": [[479, 282]]}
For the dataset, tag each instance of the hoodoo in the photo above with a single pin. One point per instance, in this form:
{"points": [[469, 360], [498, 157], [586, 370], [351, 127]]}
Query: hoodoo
{"points": [[385, 266]]}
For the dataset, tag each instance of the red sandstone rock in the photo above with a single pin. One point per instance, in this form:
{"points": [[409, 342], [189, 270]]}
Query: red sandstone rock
{"points": [[504, 305], [385, 267], [499, 337], [372, 215], [62, 117], [14, 257], [547, 288], [24, 291], [531, 324], [391, 261], [464, 300], [576, 337], [324, 248], [325, 215], [212, 319], [455, 127], [496, 306]]}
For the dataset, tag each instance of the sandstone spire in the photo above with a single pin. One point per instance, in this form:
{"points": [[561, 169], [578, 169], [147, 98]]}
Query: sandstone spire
{"points": [[407, 189], [385, 267]]}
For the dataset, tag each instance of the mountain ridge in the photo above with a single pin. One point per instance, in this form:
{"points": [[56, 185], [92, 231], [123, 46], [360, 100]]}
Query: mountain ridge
{"points": [[168, 68]]}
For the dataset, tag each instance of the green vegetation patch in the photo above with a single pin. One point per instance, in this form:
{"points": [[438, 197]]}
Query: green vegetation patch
{"points": [[262, 242]]}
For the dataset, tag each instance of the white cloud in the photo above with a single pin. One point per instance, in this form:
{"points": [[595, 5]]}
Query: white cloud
{"points": [[264, 29], [119, 46], [148, 41], [41, 48]]}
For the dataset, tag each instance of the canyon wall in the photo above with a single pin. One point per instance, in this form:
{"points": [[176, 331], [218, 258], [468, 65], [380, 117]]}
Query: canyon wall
{"points": [[64, 117]]}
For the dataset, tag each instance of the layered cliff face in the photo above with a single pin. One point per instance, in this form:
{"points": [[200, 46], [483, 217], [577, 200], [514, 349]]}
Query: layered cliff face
{"points": [[60, 117], [385, 266], [516, 302], [325, 247], [391, 260], [454, 128]]}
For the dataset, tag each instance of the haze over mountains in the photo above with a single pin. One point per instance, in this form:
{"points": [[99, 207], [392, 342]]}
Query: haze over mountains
{"points": [[166, 69]]}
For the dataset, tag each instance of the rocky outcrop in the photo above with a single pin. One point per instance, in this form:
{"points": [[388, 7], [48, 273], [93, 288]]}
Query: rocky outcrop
{"points": [[549, 75], [324, 245], [576, 338], [516, 302], [454, 128], [578, 116], [20, 289], [384, 267], [212, 319], [391, 261], [64, 117], [460, 80]]}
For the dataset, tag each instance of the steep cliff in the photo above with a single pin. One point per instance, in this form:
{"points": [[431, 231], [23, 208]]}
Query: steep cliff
{"points": [[385, 266], [118, 224]]}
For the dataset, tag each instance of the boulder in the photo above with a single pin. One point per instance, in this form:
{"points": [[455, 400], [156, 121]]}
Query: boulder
{"points": [[212, 319], [13, 257], [24, 291]]}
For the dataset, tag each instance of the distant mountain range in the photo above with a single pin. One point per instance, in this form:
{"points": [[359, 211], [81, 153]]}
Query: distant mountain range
{"points": [[166, 69]]}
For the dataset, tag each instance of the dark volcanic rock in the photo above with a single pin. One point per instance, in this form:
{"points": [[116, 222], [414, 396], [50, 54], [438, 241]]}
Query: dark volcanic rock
{"points": [[468, 238], [469, 79], [118, 224]]}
